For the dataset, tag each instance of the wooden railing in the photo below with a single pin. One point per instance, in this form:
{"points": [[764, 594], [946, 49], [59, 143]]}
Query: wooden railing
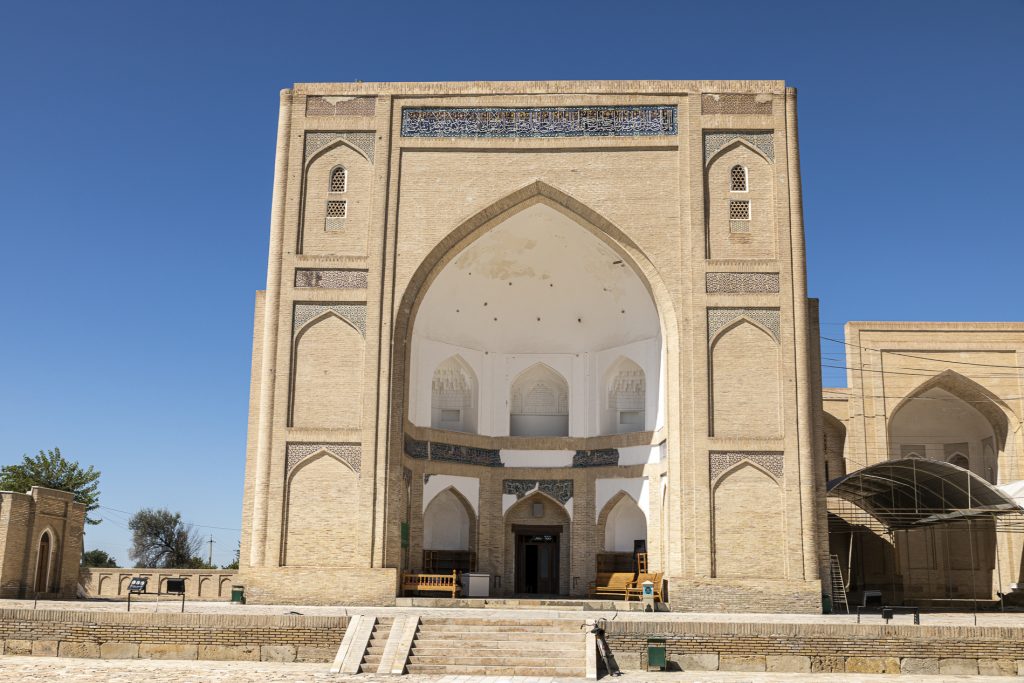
{"points": [[431, 582]]}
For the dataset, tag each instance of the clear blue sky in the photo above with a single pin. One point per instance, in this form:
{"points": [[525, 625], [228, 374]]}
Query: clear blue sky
{"points": [[137, 159]]}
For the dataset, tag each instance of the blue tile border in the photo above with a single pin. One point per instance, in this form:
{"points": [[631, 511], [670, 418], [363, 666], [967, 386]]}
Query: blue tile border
{"points": [[539, 122]]}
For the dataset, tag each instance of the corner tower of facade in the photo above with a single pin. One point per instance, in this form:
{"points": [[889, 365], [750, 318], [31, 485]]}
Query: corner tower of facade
{"points": [[527, 329]]}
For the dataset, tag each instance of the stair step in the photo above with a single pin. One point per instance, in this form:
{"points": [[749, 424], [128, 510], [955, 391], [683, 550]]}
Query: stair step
{"points": [[490, 636], [460, 628], [487, 621], [501, 659], [443, 646], [506, 670]]}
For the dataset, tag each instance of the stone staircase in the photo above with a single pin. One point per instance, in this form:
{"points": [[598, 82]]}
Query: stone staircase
{"points": [[498, 647], [375, 646]]}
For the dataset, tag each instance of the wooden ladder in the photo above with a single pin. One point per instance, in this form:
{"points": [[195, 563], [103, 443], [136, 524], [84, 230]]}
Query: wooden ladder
{"points": [[838, 587]]}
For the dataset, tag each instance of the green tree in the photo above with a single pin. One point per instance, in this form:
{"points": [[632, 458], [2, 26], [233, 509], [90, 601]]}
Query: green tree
{"points": [[161, 539], [238, 556], [52, 470], [97, 558]]}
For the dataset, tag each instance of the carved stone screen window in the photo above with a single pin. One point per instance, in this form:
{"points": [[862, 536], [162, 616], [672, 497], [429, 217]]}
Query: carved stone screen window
{"points": [[336, 212], [738, 179], [739, 215], [339, 179]]}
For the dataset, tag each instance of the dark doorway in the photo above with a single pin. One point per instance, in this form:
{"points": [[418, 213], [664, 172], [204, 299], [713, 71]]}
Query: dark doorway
{"points": [[537, 553], [43, 563]]}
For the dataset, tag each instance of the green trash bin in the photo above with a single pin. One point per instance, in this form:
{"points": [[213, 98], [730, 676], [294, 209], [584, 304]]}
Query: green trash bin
{"points": [[238, 594], [656, 653]]}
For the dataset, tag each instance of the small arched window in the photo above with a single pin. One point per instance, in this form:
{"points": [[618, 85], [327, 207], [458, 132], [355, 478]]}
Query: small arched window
{"points": [[738, 179], [339, 179]]}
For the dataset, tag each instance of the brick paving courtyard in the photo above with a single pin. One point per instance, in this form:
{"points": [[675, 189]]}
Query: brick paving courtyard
{"points": [[38, 669]]}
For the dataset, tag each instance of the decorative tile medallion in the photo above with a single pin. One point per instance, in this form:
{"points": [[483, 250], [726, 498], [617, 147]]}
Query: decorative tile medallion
{"points": [[596, 458], [735, 103], [316, 141], [772, 461], [741, 283], [715, 142], [323, 105], [559, 489], [331, 278], [719, 318], [346, 452], [355, 314], [538, 122]]}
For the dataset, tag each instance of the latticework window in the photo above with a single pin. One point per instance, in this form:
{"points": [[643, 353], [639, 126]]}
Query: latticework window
{"points": [[339, 179], [738, 179], [336, 209], [739, 210]]}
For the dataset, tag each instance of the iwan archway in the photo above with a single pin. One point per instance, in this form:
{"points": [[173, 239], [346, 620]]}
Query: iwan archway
{"points": [[561, 333]]}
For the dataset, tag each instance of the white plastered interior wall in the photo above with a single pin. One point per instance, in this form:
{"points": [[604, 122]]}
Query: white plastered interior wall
{"points": [[538, 264]]}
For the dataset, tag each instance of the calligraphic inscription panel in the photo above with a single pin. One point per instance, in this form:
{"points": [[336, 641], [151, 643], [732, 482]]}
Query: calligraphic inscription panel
{"points": [[539, 122]]}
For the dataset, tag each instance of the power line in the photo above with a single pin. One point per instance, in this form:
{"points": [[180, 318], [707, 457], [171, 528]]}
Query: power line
{"points": [[205, 526]]}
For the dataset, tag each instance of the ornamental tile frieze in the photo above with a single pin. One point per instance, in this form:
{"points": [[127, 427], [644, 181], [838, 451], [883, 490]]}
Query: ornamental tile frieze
{"points": [[317, 141], [446, 452], [770, 461], [331, 278], [720, 318], [559, 489], [354, 314], [596, 458], [539, 122], [716, 142], [735, 103], [349, 453], [741, 283]]}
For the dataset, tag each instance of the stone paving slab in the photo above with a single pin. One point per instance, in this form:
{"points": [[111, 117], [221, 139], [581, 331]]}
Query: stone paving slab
{"points": [[1006, 619], [39, 669]]}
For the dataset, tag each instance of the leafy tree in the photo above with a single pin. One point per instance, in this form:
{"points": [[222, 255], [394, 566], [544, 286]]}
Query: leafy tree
{"points": [[238, 556], [161, 539], [97, 558], [51, 470]]}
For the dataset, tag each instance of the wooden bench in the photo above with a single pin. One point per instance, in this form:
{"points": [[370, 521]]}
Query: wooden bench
{"points": [[636, 588], [611, 584], [448, 583]]}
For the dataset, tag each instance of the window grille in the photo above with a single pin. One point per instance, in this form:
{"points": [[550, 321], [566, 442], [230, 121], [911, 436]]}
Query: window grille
{"points": [[738, 179], [339, 179], [739, 210], [336, 209]]}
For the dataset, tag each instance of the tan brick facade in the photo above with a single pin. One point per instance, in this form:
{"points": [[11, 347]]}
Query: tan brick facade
{"points": [[640, 173], [40, 543]]}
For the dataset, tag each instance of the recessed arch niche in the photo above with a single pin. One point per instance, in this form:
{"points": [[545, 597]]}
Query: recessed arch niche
{"points": [[536, 294], [453, 396]]}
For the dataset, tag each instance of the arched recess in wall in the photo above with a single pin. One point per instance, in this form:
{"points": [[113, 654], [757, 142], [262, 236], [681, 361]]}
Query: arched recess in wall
{"points": [[322, 494], [621, 524], [746, 382], [834, 435], [539, 403], [449, 523], [327, 380], [740, 224], [453, 396], [625, 399], [336, 222], [538, 511], [748, 525], [951, 414], [45, 550]]}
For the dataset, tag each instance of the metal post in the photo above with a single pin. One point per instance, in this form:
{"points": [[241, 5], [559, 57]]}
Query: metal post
{"points": [[974, 583]]}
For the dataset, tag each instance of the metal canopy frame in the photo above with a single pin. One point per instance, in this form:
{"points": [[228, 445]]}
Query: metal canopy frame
{"points": [[915, 492]]}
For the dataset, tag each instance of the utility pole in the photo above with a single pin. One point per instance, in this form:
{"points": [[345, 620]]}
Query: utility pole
{"points": [[210, 561]]}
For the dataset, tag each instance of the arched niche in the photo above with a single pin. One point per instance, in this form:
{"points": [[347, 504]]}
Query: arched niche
{"points": [[746, 382], [539, 403], [748, 515], [834, 436], [545, 516], [453, 396], [749, 238], [625, 399], [322, 494], [623, 524], [320, 236], [448, 523], [45, 551], [327, 380]]}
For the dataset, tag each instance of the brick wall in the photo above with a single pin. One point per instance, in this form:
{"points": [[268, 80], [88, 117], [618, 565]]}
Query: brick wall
{"points": [[200, 584], [125, 635]]}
